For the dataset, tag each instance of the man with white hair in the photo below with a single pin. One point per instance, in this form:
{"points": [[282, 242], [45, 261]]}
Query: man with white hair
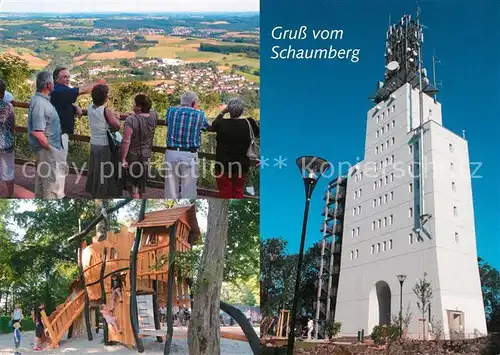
{"points": [[185, 124], [44, 135]]}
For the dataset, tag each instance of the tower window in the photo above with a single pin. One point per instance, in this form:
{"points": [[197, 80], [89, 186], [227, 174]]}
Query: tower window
{"points": [[350, 255], [455, 211], [357, 232], [387, 144], [374, 202], [410, 238], [451, 147], [378, 118], [410, 148], [382, 130], [453, 186], [393, 123], [373, 249], [391, 219], [392, 177], [379, 223], [410, 212], [376, 150], [354, 211], [378, 247], [360, 192], [359, 209], [456, 238], [393, 140], [385, 198], [386, 179], [385, 221], [384, 246], [390, 244], [357, 253], [373, 225], [377, 134], [410, 187], [430, 113], [392, 195], [374, 186], [452, 167], [352, 233], [392, 159], [387, 127], [380, 200], [393, 108]]}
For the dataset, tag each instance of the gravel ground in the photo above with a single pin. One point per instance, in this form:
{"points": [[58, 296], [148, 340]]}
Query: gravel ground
{"points": [[83, 346]]}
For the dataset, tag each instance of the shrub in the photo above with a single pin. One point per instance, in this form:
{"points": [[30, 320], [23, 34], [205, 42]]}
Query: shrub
{"points": [[332, 328], [27, 325], [383, 334]]}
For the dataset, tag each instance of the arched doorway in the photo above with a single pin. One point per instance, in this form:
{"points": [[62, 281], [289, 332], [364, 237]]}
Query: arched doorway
{"points": [[379, 305]]}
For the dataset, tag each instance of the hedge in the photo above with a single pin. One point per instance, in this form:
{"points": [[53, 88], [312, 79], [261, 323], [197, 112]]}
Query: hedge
{"points": [[27, 325]]}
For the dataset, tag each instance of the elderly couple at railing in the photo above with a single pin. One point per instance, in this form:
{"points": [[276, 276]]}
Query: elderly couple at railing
{"points": [[51, 119]]}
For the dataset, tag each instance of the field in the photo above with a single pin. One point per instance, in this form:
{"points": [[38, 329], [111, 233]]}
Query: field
{"points": [[33, 61], [111, 55], [215, 23], [73, 46], [188, 50]]}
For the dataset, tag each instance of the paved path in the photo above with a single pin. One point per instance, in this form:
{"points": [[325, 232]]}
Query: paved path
{"points": [[83, 346]]}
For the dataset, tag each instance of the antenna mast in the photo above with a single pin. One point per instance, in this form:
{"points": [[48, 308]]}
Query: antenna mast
{"points": [[434, 62]]}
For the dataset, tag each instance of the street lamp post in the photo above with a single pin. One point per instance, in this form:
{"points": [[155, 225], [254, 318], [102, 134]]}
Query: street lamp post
{"points": [[311, 169], [401, 279]]}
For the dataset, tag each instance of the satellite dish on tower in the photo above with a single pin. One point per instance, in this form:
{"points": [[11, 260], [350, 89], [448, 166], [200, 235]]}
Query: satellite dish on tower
{"points": [[392, 66]]}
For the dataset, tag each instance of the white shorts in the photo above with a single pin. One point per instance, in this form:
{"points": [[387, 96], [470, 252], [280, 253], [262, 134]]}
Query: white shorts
{"points": [[7, 172]]}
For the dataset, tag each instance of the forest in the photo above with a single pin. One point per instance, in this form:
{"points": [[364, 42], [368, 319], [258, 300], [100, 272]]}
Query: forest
{"points": [[38, 263], [251, 51]]}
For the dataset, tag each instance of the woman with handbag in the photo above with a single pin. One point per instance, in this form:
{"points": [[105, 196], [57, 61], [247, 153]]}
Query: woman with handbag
{"points": [[137, 145], [235, 146], [7, 124], [102, 172]]}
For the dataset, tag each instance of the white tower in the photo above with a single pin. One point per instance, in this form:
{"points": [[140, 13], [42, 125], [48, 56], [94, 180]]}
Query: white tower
{"points": [[391, 227]]}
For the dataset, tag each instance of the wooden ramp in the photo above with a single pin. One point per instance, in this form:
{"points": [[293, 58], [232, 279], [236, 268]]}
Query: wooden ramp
{"points": [[63, 317]]}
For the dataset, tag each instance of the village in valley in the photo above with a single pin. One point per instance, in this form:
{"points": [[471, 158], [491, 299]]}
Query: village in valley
{"points": [[218, 53]]}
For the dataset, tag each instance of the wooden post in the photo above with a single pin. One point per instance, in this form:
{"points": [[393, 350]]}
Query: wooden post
{"points": [[156, 313], [134, 316], [86, 295], [103, 297], [170, 287]]}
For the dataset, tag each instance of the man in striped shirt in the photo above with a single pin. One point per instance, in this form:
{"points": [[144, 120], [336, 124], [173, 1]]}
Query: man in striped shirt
{"points": [[185, 124]]}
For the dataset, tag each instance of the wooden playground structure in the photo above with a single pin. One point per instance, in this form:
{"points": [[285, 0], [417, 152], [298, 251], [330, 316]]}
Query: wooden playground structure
{"points": [[282, 328], [164, 233]]}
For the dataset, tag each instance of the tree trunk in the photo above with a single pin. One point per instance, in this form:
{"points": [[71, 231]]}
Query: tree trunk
{"points": [[102, 228], [134, 317], [204, 325]]}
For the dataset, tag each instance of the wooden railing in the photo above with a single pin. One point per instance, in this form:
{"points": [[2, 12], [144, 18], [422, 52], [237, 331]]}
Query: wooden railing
{"points": [[58, 324], [155, 149]]}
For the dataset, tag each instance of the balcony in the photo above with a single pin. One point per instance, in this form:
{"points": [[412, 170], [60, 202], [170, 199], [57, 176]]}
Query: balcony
{"points": [[79, 154]]}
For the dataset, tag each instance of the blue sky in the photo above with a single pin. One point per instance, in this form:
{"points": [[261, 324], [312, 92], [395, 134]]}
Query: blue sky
{"points": [[148, 6], [319, 107]]}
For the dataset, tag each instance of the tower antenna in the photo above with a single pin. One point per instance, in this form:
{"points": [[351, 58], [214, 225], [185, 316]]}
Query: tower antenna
{"points": [[434, 62]]}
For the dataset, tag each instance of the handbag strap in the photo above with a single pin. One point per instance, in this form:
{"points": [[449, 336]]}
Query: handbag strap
{"points": [[252, 135]]}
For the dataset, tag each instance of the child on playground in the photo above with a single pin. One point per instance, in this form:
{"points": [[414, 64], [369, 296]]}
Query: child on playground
{"points": [[110, 319], [17, 337], [116, 290]]}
